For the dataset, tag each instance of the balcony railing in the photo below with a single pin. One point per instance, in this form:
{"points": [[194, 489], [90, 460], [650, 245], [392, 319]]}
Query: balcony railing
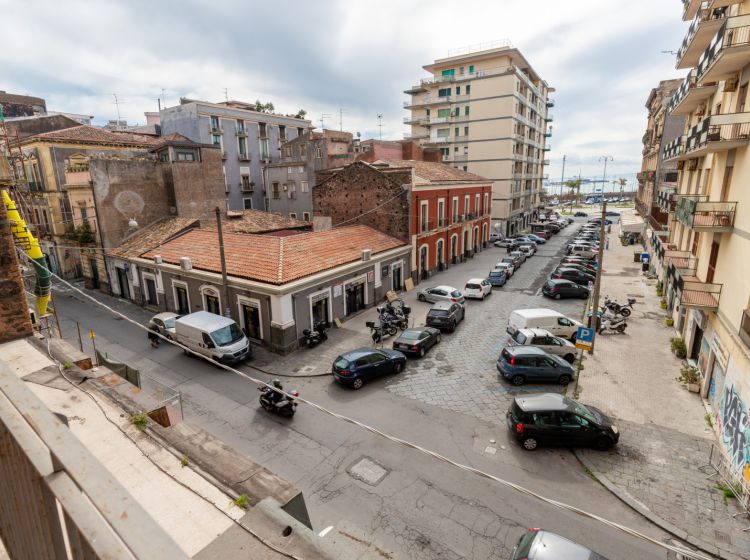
{"points": [[745, 328], [727, 52], [691, 291], [549, 118], [703, 215], [420, 120], [417, 135], [704, 25], [717, 133], [666, 199], [675, 149], [422, 101], [62, 502], [550, 103]]}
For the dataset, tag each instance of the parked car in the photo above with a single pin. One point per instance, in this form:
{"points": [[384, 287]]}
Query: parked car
{"points": [[417, 341], [519, 364], [527, 249], [612, 213], [445, 315], [477, 288], [494, 236], [540, 240], [163, 323], [506, 265], [440, 293], [547, 319], [573, 275], [537, 544], [559, 288], [582, 250], [543, 339], [507, 243], [580, 215], [356, 367], [498, 277], [579, 260], [518, 254], [512, 261], [585, 268], [554, 419]]}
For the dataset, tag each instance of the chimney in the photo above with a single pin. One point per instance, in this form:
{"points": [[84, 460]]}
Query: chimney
{"points": [[186, 263], [366, 254]]}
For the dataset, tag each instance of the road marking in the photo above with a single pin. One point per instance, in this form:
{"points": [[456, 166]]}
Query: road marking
{"points": [[325, 531]]}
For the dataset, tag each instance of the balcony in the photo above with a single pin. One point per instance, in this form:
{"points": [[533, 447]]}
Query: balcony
{"points": [[702, 215], [691, 7], [548, 134], [690, 290], [460, 157], [438, 140], [666, 199], [550, 103], [718, 133], [745, 328], [728, 51], [243, 157], [547, 148], [419, 120], [691, 95], [425, 101], [548, 118], [675, 150], [658, 240], [704, 26], [545, 162], [417, 135], [418, 88]]}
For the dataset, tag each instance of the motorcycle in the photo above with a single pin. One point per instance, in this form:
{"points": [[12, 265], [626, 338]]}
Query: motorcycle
{"points": [[317, 335], [619, 309], [397, 315], [380, 331], [286, 406], [612, 323]]}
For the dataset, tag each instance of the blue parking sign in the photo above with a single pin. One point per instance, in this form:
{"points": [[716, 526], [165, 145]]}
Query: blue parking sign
{"points": [[584, 338]]}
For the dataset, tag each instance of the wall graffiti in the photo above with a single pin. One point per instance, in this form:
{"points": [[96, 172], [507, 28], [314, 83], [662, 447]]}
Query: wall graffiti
{"points": [[735, 431]]}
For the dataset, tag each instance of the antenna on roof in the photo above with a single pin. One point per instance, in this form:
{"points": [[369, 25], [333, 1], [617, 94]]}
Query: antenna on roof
{"points": [[341, 119], [117, 104], [670, 52], [380, 124], [323, 117], [226, 94]]}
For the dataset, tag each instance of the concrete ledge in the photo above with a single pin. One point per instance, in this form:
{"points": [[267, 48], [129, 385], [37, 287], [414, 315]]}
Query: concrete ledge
{"points": [[627, 499]]}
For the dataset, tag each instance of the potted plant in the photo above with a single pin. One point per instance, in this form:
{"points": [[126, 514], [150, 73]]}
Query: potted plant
{"points": [[690, 376], [678, 347]]}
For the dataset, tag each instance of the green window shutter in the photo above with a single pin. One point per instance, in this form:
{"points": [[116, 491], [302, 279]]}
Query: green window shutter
{"points": [[471, 69], [466, 110], [444, 113]]}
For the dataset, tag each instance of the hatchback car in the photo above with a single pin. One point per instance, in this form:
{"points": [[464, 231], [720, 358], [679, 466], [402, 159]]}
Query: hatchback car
{"points": [[440, 293], [519, 255], [527, 250], [537, 544], [445, 315], [537, 238], [554, 419], [354, 368], [573, 275], [578, 260], [581, 215], [507, 265], [519, 364], [497, 277], [417, 341], [582, 250], [559, 288], [163, 323], [477, 288], [506, 243], [585, 268], [543, 339]]}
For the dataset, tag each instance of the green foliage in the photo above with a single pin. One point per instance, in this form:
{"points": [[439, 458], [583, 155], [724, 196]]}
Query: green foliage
{"points": [[709, 419], [669, 322], [300, 114], [140, 420], [67, 365], [83, 234], [678, 347], [241, 501], [184, 461], [688, 374], [264, 107], [663, 305], [729, 492]]}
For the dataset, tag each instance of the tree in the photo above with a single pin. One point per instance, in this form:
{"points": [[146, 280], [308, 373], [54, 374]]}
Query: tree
{"points": [[300, 114], [575, 188], [622, 182], [264, 107]]}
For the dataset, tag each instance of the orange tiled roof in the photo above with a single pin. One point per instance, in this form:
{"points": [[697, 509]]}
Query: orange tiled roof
{"points": [[151, 236], [275, 260], [94, 135], [255, 221], [433, 171]]}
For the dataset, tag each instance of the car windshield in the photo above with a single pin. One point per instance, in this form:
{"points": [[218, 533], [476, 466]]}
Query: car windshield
{"points": [[586, 412], [227, 335], [169, 323], [438, 313], [496, 274], [520, 337], [341, 363], [524, 546], [506, 260], [410, 335], [456, 293]]}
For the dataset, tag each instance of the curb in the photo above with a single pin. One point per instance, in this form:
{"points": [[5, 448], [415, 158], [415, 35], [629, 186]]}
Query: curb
{"points": [[640, 508]]}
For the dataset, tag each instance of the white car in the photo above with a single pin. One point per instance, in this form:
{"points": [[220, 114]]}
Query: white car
{"points": [[477, 288], [527, 249], [506, 266], [505, 242], [164, 323], [543, 339]]}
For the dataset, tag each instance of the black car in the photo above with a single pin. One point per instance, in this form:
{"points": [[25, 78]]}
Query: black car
{"points": [[559, 288], [612, 213], [363, 364], [581, 215], [554, 419], [586, 269], [445, 315], [417, 341], [573, 275], [578, 260], [537, 544]]}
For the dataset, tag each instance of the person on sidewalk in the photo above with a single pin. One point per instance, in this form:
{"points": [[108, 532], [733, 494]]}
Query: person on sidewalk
{"points": [[153, 337], [606, 243]]}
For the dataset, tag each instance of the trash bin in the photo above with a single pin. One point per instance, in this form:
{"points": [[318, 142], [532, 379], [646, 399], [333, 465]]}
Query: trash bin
{"points": [[636, 256]]}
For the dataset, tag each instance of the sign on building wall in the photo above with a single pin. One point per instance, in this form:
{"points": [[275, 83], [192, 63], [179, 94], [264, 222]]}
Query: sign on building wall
{"points": [[337, 290]]}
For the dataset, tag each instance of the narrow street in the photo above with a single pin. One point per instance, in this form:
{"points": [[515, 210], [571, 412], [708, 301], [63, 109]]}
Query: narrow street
{"points": [[451, 402]]}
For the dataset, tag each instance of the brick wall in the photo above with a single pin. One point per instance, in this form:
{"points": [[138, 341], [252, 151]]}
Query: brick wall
{"points": [[14, 315]]}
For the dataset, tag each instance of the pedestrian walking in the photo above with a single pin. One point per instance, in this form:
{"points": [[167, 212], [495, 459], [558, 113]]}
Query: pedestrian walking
{"points": [[153, 337], [606, 243]]}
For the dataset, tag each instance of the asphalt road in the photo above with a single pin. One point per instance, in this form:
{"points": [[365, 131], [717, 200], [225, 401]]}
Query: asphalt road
{"points": [[412, 506]]}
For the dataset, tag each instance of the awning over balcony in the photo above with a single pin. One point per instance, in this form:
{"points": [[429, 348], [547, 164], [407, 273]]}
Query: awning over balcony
{"points": [[718, 133]]}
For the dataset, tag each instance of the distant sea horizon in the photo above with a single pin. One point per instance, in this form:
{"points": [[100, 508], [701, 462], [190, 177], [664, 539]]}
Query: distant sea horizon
{"points": [[592, 185]]}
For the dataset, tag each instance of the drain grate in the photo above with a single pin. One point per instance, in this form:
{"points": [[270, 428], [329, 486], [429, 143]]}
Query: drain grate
{"points": [[368, 471]]}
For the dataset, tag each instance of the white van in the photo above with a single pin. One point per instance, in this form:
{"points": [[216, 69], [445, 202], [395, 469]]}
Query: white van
{"points": [[547, 319], [582, 251], [213, 336]]}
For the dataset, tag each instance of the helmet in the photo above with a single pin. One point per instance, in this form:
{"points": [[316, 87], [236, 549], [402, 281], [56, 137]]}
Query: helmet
{"points": [[277, 383]]}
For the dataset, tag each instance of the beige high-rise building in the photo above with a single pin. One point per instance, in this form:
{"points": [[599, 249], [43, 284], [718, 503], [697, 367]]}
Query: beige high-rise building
{"points": [[488, 112], [706, 255]]}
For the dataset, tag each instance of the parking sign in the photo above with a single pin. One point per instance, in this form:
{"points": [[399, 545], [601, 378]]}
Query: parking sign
{"points": [[584, 338]]}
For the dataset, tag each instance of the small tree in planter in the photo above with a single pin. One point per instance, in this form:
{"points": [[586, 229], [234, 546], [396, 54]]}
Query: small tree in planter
{"points": [[663, 303], [669, 322], [690, 376], [678, 347]]}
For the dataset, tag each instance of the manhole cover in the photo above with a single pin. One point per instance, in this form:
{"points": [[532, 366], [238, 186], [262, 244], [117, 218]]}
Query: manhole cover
{"points": [[368, 471]]}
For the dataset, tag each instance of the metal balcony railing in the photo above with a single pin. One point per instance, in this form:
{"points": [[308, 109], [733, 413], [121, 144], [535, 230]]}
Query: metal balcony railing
{"points": [[704, 215], [745, 328], [666, 199], [734, 33], [675, 149], [719, 132], [58, 500], [705, 14]]}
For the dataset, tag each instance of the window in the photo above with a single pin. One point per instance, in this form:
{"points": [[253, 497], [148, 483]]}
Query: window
{"points": [[306, 216], [239, 126], [476, 204], [445, 152], [84, 215], [293, 215], [457, 111], [164, 156], [451, 72], [216, 139], [304, 186], [245, 182], [468, 90], [466, 110], [282, 133], [303, 150], [455, 131], [454, 212], [215, 124], [247, 203], [424, 223], [263, 132], [471, 69], [441, 213], [486, 203], [242, 146], [461, 70], [275, 190], [288, 151], [186, 155], [458, 90], [444, 92], [318, 152], [443, 132], [466, 204], [466, 131], [264, 148], [455, 149], [444, 113]]}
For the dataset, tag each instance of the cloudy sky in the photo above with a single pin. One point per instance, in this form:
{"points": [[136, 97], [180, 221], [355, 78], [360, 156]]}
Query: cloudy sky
{"points": [[602, 56]]}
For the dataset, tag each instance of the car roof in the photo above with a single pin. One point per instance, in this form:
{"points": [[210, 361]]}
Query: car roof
{"points": [[417, 330], [535, 332], [475, 280], [558, 281], [357, 353], [538, 312], [205, 320], [550, 546], [527, 350], [443, 287], [442, 305], [543, 401], [165, 315]]}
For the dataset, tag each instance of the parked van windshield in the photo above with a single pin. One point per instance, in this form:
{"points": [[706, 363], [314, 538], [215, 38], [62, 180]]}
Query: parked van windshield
{"points": [[227, 335]]}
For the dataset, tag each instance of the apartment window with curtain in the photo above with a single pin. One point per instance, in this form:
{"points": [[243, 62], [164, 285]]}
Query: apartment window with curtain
{"points": [[454, 211], [424, 222], [443, 132], [216, 139], [242, 146], [304, 186], [264, 148]]}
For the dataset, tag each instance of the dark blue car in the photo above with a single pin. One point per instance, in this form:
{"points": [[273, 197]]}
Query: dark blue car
{"points": [[356, 367], [519, 364]]}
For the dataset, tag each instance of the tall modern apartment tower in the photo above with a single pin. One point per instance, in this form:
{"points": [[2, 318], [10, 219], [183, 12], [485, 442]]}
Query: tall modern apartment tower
{"points": [[488, 112]]}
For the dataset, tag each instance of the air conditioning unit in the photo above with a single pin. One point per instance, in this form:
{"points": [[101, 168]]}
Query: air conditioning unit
{"points": [[366, 254], [285, 187], [157, 259], [186, 263]]}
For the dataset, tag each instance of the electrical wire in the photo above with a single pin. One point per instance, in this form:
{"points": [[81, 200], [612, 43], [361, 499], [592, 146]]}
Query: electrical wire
{"points": [[405, 443]]}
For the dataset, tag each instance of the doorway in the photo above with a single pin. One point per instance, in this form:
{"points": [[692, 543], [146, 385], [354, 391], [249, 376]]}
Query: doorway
{"points": [[396, 278], [355, 296], [251, 320], [423, 263], [454, 249], [467, 251], [150, 289], [181, 300], [212, 304], [94, 274], [713, 257], [440, 254], [695, 349], [319, 309], [122, 281]]}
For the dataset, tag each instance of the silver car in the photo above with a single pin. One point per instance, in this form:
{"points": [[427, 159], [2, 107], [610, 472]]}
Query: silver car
{"points": [[440, 293], [544, 340], [164, 323]]}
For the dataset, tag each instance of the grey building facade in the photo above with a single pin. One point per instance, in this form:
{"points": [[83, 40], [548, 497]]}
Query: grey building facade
{"points": [[249, 140]]}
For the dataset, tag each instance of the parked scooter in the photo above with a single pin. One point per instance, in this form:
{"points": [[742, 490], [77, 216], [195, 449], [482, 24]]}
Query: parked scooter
{"points": [[381, 330], [395, 314], [285, 405], [619, 309], [317, 335], [612, 323]]}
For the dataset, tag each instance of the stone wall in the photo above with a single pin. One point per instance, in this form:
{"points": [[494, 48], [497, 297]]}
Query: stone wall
{"points": [[14, 314]]}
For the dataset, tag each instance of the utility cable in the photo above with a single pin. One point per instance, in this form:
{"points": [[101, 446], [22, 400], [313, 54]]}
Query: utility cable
{"points": [[518, 488]]}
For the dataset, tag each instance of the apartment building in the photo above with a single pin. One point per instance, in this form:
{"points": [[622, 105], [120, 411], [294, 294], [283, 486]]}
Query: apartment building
{"points": [[488, 113], [705, 256], [249, 140]]}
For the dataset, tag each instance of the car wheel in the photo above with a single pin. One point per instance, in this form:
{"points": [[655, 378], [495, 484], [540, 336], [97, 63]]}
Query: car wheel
{"points": [[358, 382], [398, 367], [570, 358], [563, 379], [453, 325], [422, 352], [602, 443], [482, 298], [557, 296], [572, 338], [438, 338], [529, 444], [518, 380], [421, 297]]}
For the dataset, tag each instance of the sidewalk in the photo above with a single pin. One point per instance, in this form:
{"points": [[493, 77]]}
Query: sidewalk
{"points": [[664, 438]]}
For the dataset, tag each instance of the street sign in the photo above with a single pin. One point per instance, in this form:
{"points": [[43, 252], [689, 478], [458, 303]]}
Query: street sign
{"points": [[92, 336], [585, 338]]}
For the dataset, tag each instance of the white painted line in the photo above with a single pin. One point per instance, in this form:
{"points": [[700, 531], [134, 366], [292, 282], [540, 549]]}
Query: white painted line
{"points": [[325, 531]]}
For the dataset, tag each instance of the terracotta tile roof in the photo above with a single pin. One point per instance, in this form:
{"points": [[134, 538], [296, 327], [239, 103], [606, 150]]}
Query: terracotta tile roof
{"points": [[152, 236], [93, 135], [255, 221], [433, 171], [275, 260]]}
